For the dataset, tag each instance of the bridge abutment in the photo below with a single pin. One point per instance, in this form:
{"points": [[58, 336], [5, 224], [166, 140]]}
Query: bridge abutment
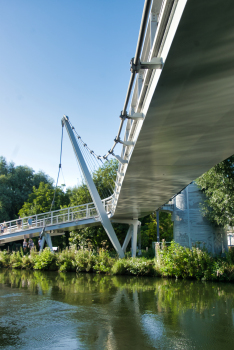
{"points": [[191, 227]]}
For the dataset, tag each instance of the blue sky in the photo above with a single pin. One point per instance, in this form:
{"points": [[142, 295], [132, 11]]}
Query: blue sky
{"points": [[63, 57]]}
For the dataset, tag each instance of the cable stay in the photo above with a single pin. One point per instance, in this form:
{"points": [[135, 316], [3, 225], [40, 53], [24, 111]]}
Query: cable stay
{"points": [[43, 235]]}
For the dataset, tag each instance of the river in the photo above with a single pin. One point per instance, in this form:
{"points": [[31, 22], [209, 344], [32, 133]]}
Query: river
{"points": [[52, 310]]}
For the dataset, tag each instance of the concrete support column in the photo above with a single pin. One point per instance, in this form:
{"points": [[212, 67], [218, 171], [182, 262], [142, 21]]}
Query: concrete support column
{"points": [[157, 218], [134, 237], [46, 238], [127, 238]]}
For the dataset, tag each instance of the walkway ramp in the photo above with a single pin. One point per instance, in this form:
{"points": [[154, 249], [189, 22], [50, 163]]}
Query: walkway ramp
{"points": [[56, 222]]}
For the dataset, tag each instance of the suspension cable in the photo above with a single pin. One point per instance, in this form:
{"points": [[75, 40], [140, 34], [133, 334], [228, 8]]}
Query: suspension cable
{"points": [[52, 203]]}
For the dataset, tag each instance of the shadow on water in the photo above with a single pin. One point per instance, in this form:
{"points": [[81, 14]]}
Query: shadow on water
{"points": [[113, 312]]}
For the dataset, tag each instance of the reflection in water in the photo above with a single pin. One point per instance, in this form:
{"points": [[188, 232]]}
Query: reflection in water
{"points": [[49, 310]]}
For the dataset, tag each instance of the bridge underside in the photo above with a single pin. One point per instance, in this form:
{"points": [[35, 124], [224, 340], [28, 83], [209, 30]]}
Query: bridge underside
{"points": [[189, 126]]}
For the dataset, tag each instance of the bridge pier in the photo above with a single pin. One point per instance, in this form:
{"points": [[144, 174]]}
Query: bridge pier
{"points": [[134, 237], [131, 234], [46, 238], [191, 227]]}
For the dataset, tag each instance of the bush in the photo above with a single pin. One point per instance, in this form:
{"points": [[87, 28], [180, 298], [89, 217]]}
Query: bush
{"points": [[85, 260], [4, 258], [177, 261], [134, 266], [103, 262], [27, 262], [16, 260], [67, 260], [173, 261], [45, 261]]}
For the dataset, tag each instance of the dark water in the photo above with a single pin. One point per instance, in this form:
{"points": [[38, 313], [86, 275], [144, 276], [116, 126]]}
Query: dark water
{"points": [[47, 310]]}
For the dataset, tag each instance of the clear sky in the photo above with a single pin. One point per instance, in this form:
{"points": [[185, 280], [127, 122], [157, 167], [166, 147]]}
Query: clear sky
{"points": [[63, 57]]}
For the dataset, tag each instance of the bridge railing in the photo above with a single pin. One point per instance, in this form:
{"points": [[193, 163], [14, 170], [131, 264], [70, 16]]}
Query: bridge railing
{"points": [[158, 24], [56, 217]]}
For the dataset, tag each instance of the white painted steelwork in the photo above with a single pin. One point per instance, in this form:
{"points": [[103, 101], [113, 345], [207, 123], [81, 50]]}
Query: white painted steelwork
{"points": [[180, 122], [56, 217], [187, 106], [92, 190]]}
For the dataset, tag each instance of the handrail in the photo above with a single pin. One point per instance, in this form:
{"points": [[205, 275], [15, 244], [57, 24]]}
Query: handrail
{"points": [[87, 210], [141, 35], [152, 43]]}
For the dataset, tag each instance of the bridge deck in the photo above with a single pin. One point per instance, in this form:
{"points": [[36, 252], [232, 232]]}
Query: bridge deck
{"points": [[189, 122], [56, 222]]}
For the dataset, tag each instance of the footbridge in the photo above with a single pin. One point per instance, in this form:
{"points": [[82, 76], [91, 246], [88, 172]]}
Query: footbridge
{"points": [[55, 222], [177, 120]]}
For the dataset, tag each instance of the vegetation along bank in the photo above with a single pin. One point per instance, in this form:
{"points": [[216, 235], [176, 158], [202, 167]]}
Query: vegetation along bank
{"points": [[172, 261]]}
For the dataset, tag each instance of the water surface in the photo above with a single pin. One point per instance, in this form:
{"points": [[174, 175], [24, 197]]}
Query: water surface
{"points": [[51, 310]]}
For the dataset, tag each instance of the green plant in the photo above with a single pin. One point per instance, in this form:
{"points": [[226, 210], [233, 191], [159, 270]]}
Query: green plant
{"points": [[85, 260], [27, 262], [177, 261], [66, 259], [104, 262], [16, 260], [4, 258], [134, 266], [46, 260]]}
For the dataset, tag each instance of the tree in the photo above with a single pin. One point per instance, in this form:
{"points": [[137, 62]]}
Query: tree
{"points": [[79, 195], [149, 229], [104, 180], [96, 235], [39, 201], [16, 183], [218, 186]]}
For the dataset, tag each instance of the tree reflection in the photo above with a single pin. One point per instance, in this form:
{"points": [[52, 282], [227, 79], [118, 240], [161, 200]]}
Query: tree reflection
{"points": [[113, 311]]}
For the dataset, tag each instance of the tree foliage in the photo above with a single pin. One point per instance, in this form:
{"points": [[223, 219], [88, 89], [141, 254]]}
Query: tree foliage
{"points": [[16, 183], [39, 201], [218, 185], [103, 179], [149, 229], [24, 192]]}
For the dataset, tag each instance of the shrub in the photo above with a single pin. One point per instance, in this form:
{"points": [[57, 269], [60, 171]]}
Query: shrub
{"points": [[104, 262], [4, 258], [134, 266], [177, 261], [85, 260], [45, 261], [67, 260], [16, 260], [27, 262]]}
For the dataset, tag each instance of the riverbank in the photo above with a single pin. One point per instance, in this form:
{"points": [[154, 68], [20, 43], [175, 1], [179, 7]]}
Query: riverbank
{"points": [[174, 261]]}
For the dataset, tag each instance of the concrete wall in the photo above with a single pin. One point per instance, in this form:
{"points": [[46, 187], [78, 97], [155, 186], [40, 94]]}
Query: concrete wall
{"points": [[191, 227]]}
